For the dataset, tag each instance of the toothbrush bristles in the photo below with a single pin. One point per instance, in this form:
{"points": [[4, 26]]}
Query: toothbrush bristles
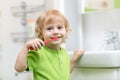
{"points": [[54, 38]]}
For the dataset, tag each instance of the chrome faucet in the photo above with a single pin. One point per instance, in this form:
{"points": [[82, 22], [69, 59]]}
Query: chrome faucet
{"points": [[112, 40]]}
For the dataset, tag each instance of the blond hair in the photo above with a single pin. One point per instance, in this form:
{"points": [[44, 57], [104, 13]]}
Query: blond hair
{"points": [[47, 15]]}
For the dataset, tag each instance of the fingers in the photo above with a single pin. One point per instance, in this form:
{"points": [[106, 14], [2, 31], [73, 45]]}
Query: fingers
{"points": [[77, 54], [35, 44]]}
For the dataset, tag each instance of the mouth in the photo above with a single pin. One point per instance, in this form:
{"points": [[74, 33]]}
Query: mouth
{"points": [[58, 36]]}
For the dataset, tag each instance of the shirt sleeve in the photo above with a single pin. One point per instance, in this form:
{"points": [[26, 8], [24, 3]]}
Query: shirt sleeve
{"points": [[32, 60]]}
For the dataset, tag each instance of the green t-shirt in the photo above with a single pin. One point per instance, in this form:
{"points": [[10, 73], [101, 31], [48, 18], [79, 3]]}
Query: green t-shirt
{"points": [[49, 64]]}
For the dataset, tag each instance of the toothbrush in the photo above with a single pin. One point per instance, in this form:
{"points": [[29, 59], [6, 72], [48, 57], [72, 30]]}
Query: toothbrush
{"points": [[47, 41], [54, 38]]}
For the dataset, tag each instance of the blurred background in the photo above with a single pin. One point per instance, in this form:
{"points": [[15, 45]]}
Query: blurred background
{"points": [[95, 26]]}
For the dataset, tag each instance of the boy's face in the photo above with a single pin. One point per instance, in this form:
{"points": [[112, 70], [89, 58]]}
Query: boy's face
{"points": [[54, 28]]}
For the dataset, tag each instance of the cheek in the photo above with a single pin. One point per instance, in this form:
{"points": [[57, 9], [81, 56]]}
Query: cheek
{"points": [[45, 35], [65, 35]]}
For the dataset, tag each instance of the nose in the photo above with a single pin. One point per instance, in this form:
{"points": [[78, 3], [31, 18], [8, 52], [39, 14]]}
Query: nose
{"points": [[56, 31]]}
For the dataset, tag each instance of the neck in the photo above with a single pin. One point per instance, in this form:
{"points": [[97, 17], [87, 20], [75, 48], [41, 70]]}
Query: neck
{"points": [[54, 47]]}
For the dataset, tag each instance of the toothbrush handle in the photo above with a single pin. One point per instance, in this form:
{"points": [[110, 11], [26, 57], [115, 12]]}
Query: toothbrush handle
{"points": [[45, 42], [40, 46]]}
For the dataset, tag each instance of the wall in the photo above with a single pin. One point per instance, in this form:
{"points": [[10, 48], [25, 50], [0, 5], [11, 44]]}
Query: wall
{"points": [[93, 5], [0, 43], [71, 10], [117, 3]]}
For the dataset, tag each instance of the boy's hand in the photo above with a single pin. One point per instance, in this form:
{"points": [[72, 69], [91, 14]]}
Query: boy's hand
{"points": [[77, 54], [34, 44]]}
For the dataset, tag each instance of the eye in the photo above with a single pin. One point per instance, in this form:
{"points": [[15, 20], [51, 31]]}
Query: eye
{"points": [[60, 27], [49, 28]]}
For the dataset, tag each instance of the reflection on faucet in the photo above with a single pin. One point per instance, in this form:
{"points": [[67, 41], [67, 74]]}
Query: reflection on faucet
{"points": [[111, 40]]}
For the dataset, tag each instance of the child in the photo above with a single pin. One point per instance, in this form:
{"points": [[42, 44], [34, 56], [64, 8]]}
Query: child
{"points": [[48, 61]]}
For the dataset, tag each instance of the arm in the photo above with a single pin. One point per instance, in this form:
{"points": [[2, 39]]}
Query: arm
{"points": [[21, 61], [76, 55]]}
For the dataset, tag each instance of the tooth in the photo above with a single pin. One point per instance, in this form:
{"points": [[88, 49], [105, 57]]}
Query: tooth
{"points": [[59, 35]]}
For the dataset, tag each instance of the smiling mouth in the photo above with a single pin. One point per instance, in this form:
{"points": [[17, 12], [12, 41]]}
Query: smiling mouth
{"points": [[58, 36]]}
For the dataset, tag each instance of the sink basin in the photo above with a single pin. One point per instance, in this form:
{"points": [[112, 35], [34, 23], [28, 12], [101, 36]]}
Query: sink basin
{"points": [[98, 59]]}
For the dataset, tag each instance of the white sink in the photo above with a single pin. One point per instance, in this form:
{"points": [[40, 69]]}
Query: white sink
{"points": [[98, 59]]}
